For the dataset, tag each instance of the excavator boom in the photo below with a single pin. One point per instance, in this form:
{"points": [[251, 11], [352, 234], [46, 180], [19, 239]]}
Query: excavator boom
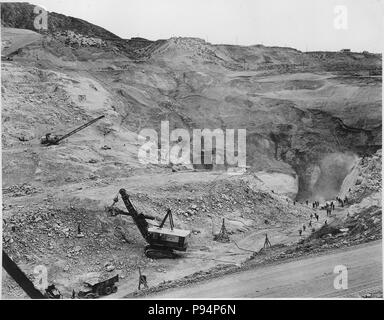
{"points": [[79, 128], [139, 219], [113, 211], [56, 140], [21, 279]]}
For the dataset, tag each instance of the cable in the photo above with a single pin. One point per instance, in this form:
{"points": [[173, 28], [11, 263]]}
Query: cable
{"points": [[242, 248]]}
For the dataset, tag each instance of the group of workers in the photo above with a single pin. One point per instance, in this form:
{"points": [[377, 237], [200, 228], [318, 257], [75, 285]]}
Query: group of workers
{"points": [[315, 204], [328, 207], [342, 202]]}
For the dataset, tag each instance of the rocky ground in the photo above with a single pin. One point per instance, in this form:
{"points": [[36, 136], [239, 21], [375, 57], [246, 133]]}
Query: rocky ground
{"points": [[47, 228]]}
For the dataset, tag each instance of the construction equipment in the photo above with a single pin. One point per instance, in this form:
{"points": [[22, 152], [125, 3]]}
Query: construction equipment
{"points": [[52, 292], [94, 289], [21, 279], [51, 139], [161, 241]]}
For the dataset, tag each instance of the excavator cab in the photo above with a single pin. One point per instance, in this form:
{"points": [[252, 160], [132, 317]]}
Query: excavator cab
{"points": [[176, 239], [52, 292], [50, 139]]}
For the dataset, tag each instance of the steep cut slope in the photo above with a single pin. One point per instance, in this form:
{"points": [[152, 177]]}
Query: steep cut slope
{"points": [[294, 118]]}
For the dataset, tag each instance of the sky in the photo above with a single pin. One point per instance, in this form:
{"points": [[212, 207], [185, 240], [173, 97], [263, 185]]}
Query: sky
{"points": [[307, 25]]}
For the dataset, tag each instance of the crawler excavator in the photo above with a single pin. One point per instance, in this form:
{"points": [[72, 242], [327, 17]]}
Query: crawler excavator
{"points": [[51, 139], [161, 241]]}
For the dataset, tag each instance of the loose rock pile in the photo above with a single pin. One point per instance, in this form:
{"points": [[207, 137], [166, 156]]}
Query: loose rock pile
{"points": [[21, 190], [74, 39], [369, 178]]}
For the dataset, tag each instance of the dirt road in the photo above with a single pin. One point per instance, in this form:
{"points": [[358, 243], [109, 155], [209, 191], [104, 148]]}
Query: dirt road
{"points": [[310, 277]]}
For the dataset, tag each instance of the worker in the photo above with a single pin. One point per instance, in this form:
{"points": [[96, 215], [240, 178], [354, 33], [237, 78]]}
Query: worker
{"points": [[300, 232], [304, 227], [310, 224], [332, 206], [317, 217], [142, 280], [73, 294], [79, 233], [306, 202]]}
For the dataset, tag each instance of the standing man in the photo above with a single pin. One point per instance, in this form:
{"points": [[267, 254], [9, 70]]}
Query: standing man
{"points": [[142, 280]]}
